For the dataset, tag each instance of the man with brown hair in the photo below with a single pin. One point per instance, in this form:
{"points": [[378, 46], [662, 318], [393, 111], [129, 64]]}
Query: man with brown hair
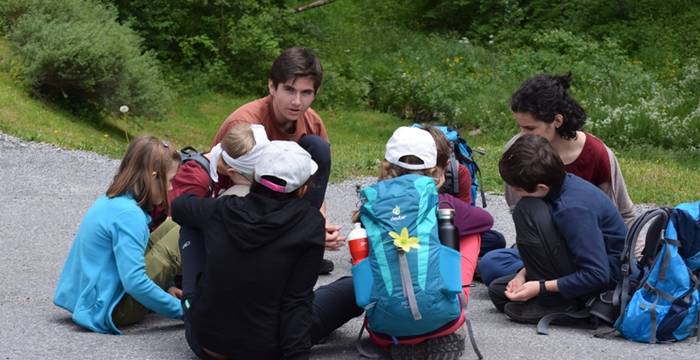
{"points": [[286, 114], [568, 232]]}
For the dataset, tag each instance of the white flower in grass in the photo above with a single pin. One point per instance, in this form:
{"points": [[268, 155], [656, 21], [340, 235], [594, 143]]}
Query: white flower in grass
{"points": [[124, 109]]}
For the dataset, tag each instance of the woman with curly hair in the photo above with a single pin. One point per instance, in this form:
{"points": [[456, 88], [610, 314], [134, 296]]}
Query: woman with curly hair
{"points": [[543, 106]]}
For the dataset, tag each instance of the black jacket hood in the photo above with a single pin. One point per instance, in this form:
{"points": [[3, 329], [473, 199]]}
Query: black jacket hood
{"points": [[260, 219]]}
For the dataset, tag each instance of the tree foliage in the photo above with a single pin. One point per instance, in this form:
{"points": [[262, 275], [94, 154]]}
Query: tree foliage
{"points": [[74, 52], [231, 44], [654, 31]]}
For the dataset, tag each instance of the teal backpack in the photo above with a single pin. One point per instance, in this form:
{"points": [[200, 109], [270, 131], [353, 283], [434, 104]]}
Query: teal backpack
{"points": [[658, 296], [409, 284]]}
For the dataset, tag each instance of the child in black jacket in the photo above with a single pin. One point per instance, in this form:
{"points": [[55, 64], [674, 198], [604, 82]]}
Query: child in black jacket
{"points": [[254, 298]]}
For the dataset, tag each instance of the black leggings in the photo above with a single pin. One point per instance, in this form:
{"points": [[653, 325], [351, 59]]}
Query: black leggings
{"points": [[320, 151], [543, 251]]}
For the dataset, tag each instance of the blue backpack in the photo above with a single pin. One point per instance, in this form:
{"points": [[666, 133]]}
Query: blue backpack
{"points": [[658, 297], [461, 154], [409, 284]]}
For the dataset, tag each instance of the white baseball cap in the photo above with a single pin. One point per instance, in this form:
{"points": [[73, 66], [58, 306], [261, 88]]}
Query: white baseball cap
{"points": [[287, 161], [411, 141]]}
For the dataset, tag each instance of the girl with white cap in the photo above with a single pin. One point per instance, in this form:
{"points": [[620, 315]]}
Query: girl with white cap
{"points": [[413, 151], [254, 298]]}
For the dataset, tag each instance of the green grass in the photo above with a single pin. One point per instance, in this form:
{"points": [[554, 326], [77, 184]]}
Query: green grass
{"points": [[653, 175]]}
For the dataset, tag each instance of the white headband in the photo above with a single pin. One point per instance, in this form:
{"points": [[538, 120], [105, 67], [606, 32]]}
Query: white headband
{"points": [[244, 163]]}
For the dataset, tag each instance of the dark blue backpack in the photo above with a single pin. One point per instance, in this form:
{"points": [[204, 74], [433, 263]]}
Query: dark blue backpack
{"points": [[658, 296], [461, 154]]}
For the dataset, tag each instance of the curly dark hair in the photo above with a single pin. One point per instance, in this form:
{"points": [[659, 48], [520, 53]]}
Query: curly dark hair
{"points": [[544, 96]]}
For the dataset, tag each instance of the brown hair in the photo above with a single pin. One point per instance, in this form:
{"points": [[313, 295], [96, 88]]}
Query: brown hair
{"points": [[296, 62], [238, 141], [144, 156], [388, 170], [531, 160], [444, 149]]}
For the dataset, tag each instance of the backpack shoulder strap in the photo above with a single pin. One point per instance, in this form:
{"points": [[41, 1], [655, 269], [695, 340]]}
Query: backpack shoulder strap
{"points": [[189, 153], [652, 244], [358, 344], [543, 324]]}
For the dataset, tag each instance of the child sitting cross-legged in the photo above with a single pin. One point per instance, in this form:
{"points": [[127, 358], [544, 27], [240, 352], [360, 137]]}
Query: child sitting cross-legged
{"points": [[410, 284], [568, 231]]}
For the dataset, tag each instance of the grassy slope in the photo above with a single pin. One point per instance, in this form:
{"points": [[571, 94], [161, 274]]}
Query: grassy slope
{"points": [[358, 137]]}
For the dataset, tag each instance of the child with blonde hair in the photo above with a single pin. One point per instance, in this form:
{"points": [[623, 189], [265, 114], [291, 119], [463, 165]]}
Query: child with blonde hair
{"points": [[254, 299], [229, 172]]}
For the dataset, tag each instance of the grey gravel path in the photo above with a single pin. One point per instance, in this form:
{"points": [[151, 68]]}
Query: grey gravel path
{"points": [[46, 191]]}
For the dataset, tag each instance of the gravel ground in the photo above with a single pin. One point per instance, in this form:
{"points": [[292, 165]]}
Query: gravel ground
{"points": [[46, 191]]}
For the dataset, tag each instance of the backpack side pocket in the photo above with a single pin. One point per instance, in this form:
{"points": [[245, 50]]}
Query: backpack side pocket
{"points": [[362, 282]]}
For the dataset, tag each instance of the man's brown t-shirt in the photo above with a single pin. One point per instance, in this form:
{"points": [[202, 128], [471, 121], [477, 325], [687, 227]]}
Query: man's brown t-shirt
{"points": [[260, 112]]}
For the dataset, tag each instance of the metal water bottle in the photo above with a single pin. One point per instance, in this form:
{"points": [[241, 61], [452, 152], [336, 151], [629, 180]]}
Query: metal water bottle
{"points": [[448, 232]]}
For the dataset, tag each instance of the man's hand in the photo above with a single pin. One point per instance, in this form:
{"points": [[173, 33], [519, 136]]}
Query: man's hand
{"points": [[525, 292], [175, 292], [334, 240]]}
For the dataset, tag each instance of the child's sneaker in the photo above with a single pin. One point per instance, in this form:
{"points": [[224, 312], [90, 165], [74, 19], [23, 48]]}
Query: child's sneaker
{"points": [[326, 267], [446, 347]]}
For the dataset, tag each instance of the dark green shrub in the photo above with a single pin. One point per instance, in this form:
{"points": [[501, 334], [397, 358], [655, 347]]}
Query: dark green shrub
{"points": [[230, 44], [74, 52]]}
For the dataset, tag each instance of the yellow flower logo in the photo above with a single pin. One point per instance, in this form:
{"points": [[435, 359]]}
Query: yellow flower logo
{"points": [[403, 241]]}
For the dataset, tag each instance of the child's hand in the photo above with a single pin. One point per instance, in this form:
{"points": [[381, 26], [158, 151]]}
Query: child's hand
{"points": [[517, 281], [334, 240], [525, 292], [175, 292]]}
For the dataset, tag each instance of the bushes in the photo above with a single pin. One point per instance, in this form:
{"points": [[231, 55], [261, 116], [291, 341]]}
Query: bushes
{"points": [[230, 45], [74, 52], [447, 78]]}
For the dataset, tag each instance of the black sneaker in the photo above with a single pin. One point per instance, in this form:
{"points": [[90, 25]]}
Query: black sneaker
{"points": [[326, 267], [530, 312], [446, 347]]}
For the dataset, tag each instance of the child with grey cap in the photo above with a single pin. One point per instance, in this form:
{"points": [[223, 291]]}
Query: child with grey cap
{"points": [[272, 233]]}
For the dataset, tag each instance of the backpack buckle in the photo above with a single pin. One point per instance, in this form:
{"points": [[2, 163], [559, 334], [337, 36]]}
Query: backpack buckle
{"points": [[625, 269]]}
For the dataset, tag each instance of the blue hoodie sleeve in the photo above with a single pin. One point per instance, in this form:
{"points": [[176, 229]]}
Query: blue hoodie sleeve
{"points": [[130, 236], [579, 227]]}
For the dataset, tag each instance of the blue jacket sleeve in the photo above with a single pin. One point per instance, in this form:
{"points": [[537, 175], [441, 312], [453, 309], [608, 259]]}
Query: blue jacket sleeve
{"points": [[130, 236], [587, 247]]}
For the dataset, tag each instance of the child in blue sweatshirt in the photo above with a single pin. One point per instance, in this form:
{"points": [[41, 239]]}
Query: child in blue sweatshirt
{"points": [[115, 272], [569, 234]]}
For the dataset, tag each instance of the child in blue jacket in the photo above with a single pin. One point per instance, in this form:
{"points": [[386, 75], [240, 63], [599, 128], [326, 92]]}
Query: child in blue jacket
{"points": [[114, 273], [569, 233]]}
